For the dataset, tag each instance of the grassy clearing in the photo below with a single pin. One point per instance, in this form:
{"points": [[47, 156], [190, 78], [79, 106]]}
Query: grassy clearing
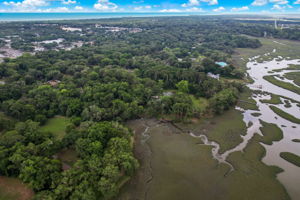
{"points": [[68, 156], [290, 157], [57, 126], [282, 84], [275, 99], [295, 76], [270, 132], [14, 189], [296, 140], [285, 115]]}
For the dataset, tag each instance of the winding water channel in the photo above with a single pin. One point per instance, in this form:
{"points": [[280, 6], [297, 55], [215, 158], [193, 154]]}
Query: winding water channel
{"points": [[290, 177]]}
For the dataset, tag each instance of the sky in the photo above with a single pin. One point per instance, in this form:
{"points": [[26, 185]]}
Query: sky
{"points": [[163, 6]]}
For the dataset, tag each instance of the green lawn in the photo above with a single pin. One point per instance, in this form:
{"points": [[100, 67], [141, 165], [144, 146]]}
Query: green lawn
{"points": [[290, 157], [282, 84], [56, 125], [285, 115]]}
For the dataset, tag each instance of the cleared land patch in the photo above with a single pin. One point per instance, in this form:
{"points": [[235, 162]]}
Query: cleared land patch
{"points": [[57, 126], [14, 189]]}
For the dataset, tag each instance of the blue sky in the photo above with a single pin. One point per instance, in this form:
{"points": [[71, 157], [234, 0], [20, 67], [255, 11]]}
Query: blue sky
{"points": [[193, 6]]}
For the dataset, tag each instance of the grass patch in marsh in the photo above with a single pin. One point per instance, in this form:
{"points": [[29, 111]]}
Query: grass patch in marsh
{"points": [[282, 84], [270, 132], [185, 169], [246, 102], [225, 129], [249, 171], [285, 115], [275, 99], [295, 76], [56, 125], [256, 114], [290, 157], [290, 67]]}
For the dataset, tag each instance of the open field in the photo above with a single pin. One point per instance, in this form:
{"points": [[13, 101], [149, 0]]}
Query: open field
{"points": [[14, 189], [282, 84], [290, 157], [285, 115], [57, 126], [178, 167]]}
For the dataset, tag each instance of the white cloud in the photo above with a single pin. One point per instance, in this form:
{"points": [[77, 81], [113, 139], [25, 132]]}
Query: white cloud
{"points": [[259, 2], [78, 8], [297, 2], [49, 10], [279, 1], [192, 3], [138, 8], [105, 5], [26, 3], [68, 2], [264, 2], [277, 7], [211, 2], [170, 10], [240, 9], [219, 9], [194, 9]]}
